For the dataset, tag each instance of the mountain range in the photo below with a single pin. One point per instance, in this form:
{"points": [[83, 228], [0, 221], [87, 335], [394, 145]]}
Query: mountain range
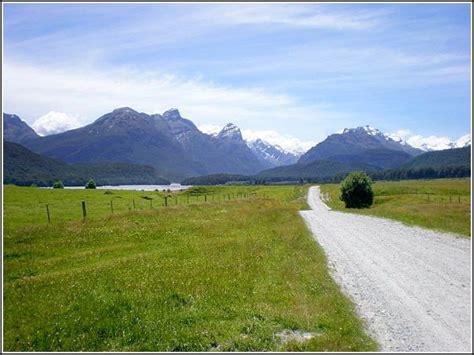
{"points": [[176, 149], [173, 145]]}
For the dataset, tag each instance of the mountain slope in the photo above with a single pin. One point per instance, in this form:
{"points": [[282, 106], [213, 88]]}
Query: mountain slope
{"points": [[441, 159], [23, 167], [17, 131], [361, 145], [316, 169]]}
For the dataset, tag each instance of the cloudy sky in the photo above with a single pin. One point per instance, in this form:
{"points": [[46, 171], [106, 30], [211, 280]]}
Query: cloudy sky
{"points": [[294, 72]]}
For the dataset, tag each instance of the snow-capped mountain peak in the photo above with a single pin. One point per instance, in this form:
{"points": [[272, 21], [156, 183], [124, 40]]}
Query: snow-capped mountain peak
{"points": [[274, 155], [230, 131], [367, 129]]}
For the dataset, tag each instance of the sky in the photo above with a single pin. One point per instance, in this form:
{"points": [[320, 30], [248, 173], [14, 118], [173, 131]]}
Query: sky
{"points": [[290, 73]]}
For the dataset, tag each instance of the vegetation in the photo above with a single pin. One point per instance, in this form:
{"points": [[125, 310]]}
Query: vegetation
{"points": [[356, 190], [424, 173], [442, 204], [23, 167], [216, 275], [58, 184], [91, 184]]}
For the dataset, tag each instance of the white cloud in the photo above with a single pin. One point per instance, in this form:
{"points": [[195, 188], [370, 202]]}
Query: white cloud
{"points": [[430, 142], [287, 142], [294, 15], [55, 122]]}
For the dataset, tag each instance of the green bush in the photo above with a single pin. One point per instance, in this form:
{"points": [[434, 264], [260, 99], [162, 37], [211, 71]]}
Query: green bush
{"points": [[356, 190], [90, 184], [58, 184]]}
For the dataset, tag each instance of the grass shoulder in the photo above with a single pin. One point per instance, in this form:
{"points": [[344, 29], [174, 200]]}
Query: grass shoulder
{"points": [[442, 204]]}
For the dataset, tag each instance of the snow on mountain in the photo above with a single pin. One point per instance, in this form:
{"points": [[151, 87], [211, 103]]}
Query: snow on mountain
{"points": [[273, 154], [430, 143], [230, 131], [463, 141]]}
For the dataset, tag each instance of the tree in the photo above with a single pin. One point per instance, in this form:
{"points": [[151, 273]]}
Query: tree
{"points": [[90, 184], [356, 190], [58, 184]]}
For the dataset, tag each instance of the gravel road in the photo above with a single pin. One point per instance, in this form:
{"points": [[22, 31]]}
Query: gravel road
{"points": [[411, 286]]}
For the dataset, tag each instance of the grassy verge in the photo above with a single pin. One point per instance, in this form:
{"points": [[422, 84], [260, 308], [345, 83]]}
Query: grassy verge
{"points": [[221, 275], [443, 204]]}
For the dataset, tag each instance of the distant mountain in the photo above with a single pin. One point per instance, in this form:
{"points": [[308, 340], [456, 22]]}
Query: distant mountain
{"points": [[441, 159], [272, 154], [173, 145], [23, 167], [361, 145], [15, 130]]}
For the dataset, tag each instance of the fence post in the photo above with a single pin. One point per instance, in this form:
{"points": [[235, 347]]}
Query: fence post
{"points": [[166, 201], [84, 213], [47, 212], [205, 198], [459, 199], [111, 206], [133, 203]]}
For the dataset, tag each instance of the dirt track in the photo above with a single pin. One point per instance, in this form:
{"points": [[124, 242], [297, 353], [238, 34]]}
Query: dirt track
{"points": [[412, 286]]}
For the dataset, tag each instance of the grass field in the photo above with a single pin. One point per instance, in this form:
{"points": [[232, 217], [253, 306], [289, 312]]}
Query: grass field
{"points": [[215, 275], [443, 204]]}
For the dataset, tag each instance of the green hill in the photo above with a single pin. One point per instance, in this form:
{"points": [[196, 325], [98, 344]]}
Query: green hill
{"points": [[23, 167], [322, 169], [441, 159]]}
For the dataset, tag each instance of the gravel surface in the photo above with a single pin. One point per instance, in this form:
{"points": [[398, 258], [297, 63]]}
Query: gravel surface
{"points": [[412, 286]]}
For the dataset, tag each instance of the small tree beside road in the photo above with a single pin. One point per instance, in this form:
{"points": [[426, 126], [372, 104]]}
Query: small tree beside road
{"points": [[356, 190]]}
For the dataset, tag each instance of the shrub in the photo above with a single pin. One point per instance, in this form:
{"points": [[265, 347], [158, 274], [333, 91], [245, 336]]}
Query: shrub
{"points": [[356, 190], [58, 184], [90, 184]]}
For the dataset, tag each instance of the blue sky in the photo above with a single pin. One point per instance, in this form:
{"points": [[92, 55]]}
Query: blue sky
{"points": [[300, 70]]}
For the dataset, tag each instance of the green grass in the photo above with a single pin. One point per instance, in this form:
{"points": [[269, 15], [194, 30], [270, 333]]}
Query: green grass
{"points": [[443, 204], [27, 205], [221, 275]]}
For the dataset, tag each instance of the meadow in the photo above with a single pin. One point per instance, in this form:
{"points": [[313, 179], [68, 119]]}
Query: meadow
{"points": [[219, 268], [442, 204]]}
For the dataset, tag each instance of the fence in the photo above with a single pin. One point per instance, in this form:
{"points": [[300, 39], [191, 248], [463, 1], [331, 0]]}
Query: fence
{"points": [[70, 211]]}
